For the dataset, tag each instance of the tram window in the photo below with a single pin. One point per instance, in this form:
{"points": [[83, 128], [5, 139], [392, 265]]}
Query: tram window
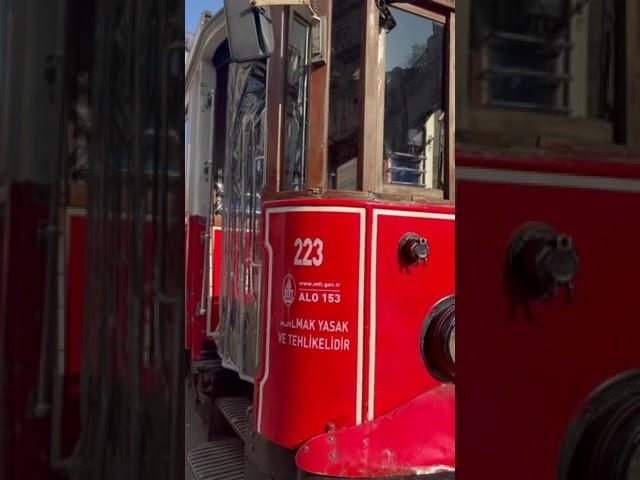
{"points": [[544, 56], [297, 101], [344, 99], [414, 120]]}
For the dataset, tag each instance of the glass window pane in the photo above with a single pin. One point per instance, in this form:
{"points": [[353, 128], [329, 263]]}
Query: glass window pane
{"points": [[297, 100], [414, 123], [548, 56], [240, 294], [344, 99]]}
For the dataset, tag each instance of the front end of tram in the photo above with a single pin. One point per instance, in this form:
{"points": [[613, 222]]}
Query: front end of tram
{"points": [[337, 289]]}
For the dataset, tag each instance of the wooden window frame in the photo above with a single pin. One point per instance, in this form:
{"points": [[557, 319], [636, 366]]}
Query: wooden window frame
{"points": [[370, 139], [512, 130], [318, 110], [275, 107], [290, 12], [374, 62]]}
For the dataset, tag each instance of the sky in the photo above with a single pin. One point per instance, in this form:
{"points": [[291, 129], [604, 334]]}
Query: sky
{"points": [[193, 9], [411, 29]]}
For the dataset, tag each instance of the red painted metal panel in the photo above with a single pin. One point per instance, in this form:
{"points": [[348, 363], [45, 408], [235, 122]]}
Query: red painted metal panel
{"points": [[312, 368], [524, 379], [416, 438], [76, 247], [25, 439], [75, 303], [195, 322], [403, 297], [200, 325], [76, 278], [306, 385], [215, 260]]}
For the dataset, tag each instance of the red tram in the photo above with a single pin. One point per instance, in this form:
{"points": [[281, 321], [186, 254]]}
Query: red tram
{"points": [[548, 174], [321, 320], [91, 208]]}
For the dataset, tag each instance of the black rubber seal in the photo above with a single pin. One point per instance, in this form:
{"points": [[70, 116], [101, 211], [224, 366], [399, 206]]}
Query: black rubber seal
{"points": [[434, 340], [603, 439]]}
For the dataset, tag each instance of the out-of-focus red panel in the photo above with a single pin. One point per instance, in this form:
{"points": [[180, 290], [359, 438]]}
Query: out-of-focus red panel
{"points": [[23, 438], [523, 380], [195, 322]]}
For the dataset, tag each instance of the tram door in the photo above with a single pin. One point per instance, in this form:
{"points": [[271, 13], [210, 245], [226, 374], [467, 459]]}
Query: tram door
{"points": [[240, 295]]}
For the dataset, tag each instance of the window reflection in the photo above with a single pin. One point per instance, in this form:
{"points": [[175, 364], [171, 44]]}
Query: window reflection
{"points": [[240, 294], [548, 56], [295, 161], [414, 123], [344, 100]]}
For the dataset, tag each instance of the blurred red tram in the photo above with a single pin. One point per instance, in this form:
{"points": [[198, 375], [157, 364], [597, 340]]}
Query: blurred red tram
{"points": [[91, 202], [320, 308], [548, 172]]}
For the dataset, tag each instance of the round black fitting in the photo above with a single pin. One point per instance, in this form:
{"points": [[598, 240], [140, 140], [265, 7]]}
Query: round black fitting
{"points": [[414, 249], [541, 260]]}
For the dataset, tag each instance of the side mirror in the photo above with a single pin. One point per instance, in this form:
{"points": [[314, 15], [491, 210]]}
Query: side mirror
{"points": [[249, 31]]}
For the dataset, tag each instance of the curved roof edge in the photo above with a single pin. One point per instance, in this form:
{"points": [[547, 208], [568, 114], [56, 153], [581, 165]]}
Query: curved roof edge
{"points": [[212, 31]]}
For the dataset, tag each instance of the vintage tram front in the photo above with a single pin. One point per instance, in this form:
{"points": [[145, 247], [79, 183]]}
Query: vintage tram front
{"points": [[336, 325]]}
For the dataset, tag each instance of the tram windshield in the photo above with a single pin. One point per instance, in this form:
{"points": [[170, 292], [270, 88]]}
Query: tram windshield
{"points": [[414, 117], [411, 69]]}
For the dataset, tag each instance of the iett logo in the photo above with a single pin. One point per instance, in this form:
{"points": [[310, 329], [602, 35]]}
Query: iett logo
{"points": [[288, 290]]}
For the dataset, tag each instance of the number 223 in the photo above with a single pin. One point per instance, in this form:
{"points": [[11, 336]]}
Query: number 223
{"points": [[312, 250]]}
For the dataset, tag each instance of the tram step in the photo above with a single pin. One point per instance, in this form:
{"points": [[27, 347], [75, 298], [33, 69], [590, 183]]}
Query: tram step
{"points": [[219, 459], [234, 410]]}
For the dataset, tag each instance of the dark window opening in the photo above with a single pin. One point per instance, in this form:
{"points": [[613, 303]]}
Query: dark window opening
{"points": [[546, 56], [297, 104], [344, 100]]}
